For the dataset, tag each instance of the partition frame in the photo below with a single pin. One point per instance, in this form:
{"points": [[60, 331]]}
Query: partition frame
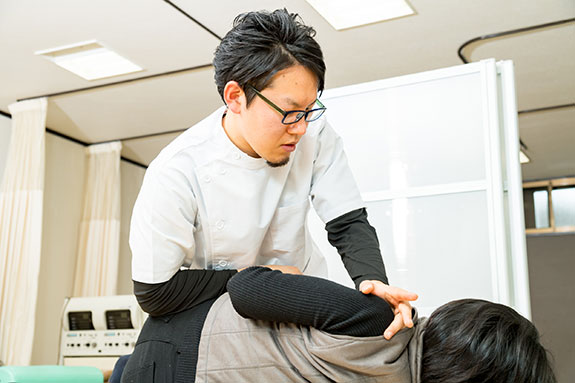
{"points": [[508, 258]]}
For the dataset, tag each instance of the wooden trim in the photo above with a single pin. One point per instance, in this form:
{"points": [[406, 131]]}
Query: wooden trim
{"points": [[565, 229], [563, 181], [550, 206], [548, 230], [539, 231], [535, 184]]}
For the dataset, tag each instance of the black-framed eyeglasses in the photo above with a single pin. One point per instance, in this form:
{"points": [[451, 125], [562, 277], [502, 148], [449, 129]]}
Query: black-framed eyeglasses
{"points": [[293, 116]]}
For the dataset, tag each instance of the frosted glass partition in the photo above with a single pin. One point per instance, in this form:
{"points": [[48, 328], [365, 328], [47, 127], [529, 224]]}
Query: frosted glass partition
{"points": [[410, 131], [419, 246], [436, 160]]}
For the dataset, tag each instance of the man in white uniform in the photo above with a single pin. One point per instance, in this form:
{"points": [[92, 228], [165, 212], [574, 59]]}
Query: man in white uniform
{"points": [[234, 190]]}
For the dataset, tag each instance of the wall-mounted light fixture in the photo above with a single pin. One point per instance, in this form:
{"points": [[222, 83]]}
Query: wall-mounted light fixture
{"points": [[523, 157]]}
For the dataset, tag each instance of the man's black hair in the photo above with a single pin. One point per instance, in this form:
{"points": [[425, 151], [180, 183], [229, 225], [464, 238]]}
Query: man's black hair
{"points": [[260, 44], [472, 340]]}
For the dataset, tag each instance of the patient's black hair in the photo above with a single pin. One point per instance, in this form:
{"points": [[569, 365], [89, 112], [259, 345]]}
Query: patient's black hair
{"points": [[475, 341], [260, 44]]}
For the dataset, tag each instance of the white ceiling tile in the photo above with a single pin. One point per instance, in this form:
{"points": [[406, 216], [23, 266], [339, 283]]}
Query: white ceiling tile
{"points": [[138, 108]]}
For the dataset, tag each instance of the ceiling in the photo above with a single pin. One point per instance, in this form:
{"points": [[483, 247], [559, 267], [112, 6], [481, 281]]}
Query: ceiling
{"points": [[158, 37]]}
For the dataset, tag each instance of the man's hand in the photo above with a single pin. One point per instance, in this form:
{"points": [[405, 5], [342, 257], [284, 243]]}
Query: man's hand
{"points": [[285, 269], [398, 299]]}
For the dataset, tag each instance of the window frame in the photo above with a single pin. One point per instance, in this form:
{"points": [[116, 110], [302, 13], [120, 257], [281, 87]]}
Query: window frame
{"points": [[550, 185]]}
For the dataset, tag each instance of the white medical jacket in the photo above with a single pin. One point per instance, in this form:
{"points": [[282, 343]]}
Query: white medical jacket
{"points": [[205, 204]]}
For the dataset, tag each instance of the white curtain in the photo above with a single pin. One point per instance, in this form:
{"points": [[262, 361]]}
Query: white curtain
{"points": [[21, 207], [99, 238]]}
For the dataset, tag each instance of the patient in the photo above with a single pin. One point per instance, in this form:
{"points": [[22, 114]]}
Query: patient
{"points": [[274, 327]]}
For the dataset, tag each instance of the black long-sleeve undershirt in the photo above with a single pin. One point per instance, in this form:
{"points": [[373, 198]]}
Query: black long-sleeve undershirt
{"points": [[357, 244], [265, 294], [186, 289], [351, 234]]}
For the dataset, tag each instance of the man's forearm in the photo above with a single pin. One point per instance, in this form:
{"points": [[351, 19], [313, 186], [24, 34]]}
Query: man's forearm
{"points": [[356, 242], [186, 289]]}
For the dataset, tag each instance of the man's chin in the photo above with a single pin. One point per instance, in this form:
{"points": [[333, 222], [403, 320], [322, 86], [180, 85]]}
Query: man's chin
{"points": [[277, 164]]}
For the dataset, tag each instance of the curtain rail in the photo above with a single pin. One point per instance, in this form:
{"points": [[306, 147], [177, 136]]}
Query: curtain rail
{"points": [[77, 141], [513, 32]]}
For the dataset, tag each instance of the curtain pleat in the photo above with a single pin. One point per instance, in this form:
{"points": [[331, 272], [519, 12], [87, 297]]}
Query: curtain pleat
{"points": [[21, 208], [99, 238]]}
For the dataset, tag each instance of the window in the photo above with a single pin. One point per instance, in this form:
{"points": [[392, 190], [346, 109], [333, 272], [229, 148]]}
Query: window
{"points": [[549, 206], [564, 206]]}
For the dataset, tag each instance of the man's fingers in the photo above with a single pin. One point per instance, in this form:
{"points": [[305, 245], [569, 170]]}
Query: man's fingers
{"points": [[397, 298], [394, 327], [391, 300], [366, 287], [404, 309], [285, 269], [401, 294], [393, 295]]}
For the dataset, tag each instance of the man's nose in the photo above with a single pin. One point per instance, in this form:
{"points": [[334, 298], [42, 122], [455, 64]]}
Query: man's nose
{"points": [[298, 128]]}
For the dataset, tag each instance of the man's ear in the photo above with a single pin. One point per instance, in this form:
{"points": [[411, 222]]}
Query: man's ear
{"points": [[234, 97]]}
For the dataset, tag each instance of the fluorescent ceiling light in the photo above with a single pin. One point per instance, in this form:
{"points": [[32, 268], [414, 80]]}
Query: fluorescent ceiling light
{"points": [[342, 14], [523, 157], [90, 60]]}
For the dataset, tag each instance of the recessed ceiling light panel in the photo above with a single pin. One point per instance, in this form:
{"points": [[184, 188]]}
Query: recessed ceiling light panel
{"points": [[342, 14], [90, 60]]}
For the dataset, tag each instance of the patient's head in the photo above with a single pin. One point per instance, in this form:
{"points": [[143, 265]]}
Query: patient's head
{"points": [[472, 340]]}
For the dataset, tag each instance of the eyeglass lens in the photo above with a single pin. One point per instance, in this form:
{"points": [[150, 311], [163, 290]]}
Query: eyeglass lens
{"points": [[295, 116]]}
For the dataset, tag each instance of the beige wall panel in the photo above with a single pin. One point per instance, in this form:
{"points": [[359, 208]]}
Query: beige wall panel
{"points": [[63, 198], [551, 266], [132, 177]]}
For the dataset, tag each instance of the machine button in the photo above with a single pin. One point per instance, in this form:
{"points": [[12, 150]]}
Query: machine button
{"points": [[207, 179], [237, 156], [220, 224]]}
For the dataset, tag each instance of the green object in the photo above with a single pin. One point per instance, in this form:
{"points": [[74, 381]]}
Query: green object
{"points": [[50, 374]]}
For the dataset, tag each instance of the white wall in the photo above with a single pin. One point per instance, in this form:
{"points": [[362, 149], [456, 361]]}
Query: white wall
{"points": [[5, 130]]}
